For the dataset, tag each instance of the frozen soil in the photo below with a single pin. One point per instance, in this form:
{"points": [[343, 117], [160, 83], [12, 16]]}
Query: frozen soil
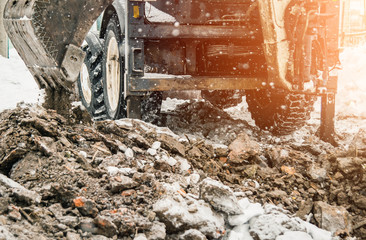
{"points": [[204, 173]]}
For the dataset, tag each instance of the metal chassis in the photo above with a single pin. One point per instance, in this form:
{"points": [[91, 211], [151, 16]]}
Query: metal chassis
{"points": [[137, 31]]}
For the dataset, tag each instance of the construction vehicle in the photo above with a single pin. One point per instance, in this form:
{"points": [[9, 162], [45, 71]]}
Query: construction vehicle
{"points": [[280, 54]]}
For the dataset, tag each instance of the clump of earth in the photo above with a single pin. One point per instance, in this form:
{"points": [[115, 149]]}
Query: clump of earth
{"points": [[203, 173]]}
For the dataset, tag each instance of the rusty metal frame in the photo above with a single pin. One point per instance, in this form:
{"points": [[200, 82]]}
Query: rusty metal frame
{"points": [[148, 31], [168, 83]]}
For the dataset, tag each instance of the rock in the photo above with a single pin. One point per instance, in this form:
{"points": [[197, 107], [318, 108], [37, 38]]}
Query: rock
{"points": [[342, 198], [278, 155], [99, 237], [251, 170], [64, 141], [162, 165], [157, 231], [87, 225], [242, 148], [86, 207], [250, 210], [317, 174], [360, 202], [9, 160], [56, 209], [151, 216], [277, 194], [349, 165], [332, 218], [291, 235], [192, 234], [120, 183], [14, 214], [194, 178], [151, 151], [171, 144], [219, 196], [220, 150], [73, 236], [4, 204], [62, 193], [113, 171], [358, 144], [46, 145], [139, 140], [184, 165], [70, 221], [195, 152], [105, 226], [173, 211], [170, 160], [305, 208], [20, 192], [156, 145]]}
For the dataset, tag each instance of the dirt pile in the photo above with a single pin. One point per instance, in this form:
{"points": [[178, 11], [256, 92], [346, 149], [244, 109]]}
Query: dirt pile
{"points": [[128, 179]]}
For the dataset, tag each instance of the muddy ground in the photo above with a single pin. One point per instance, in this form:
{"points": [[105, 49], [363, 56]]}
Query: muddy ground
{"points": [[75, 179]]}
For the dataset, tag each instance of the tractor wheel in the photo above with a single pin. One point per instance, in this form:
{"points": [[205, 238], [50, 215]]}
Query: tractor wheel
{"points": [[279, 113], [90, 78], [113, 80], [113, 71], [222, 98]]}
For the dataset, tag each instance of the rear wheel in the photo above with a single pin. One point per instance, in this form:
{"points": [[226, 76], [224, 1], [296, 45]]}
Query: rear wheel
{"points": [[148, 107], [279, 113], [113, 71], [90, 78]]}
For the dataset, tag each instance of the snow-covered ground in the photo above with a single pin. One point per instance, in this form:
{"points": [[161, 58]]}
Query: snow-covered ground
{"points": [[351, 97], [16, 82]]}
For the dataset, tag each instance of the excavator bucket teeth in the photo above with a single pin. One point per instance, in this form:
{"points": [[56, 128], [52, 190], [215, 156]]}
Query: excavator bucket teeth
{"points": [[48, 34]]}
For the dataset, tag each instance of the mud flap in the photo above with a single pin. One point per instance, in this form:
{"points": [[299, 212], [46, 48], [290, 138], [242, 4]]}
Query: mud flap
{"points": [[326, 130], [327, 118], [134, 107], [48, 34]]}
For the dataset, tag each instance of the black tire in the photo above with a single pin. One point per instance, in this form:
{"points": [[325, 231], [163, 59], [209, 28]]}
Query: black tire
{"points": [[91, 74], [279, 113], [222, 98], [115, 110]]}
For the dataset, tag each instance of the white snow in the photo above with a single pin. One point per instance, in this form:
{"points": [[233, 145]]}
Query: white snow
{"points": [[184, 165], [16, 83], [114, 171], [155, 15], [250, 210], [129, 153], [171, 103], [151, 151], [351, 97], [156, 145]]}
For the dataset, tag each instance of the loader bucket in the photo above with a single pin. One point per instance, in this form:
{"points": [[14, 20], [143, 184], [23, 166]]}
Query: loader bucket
{"points": [[48, 34]]}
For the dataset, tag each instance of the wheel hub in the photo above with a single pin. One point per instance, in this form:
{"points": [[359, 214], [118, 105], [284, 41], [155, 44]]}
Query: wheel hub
{"points": [[85, 84], [113, 73]]}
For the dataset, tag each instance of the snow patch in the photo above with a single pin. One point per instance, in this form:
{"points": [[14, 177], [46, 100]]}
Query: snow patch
{"points": [[17, 83]]}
